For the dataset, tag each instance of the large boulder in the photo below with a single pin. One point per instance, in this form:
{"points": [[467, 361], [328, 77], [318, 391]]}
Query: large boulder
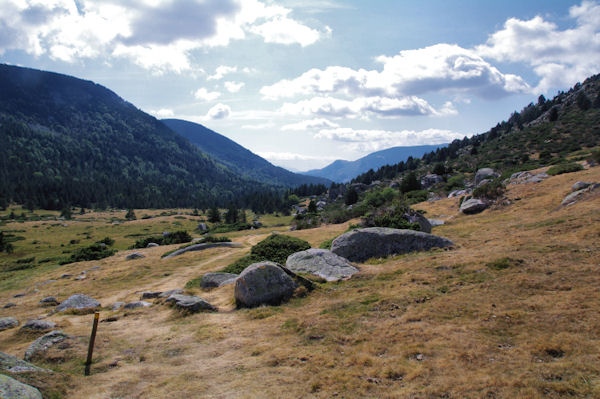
{"points": [[8, 323], [213, 280], [13, 389], [431, 179], [43, 343], [14, 365], [38, 326], [79, 302], [472, 205], [263, 283], [483, 174], [422, 221], [375, 242], [322, 263], [191, 304]]}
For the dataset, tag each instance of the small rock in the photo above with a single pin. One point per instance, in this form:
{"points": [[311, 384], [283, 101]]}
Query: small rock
{"points": [[43, 343], [8, 323], [580, 185], [13, 389], [484, 173], [435, 222], [38, 325], [152, 245], [458, 193], [9, 305], [192, 304], [167, 294], [420, 357], [117, 305], [93, 268], [212, 280], [137, 304], [202, 227], [135, 255], [79, 302], [22, 294], [151, 294], [49, 301], [66, 275], [81, 277], [472, 206]]}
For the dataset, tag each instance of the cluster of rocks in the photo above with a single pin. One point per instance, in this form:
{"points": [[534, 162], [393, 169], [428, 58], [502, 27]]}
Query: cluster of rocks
{"points": [[525, 177], [578, 191]]}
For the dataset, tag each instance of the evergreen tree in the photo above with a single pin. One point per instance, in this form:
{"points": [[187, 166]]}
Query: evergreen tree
{"points": [[5, 246], [66, 213], [410, 183], [242, 216], [213, 215], [130, 215], [231, 215], [312, 206], [351, 196]]}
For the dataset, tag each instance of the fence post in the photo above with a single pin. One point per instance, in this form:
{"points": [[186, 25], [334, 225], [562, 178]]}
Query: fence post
{"points": [[88, 362]]}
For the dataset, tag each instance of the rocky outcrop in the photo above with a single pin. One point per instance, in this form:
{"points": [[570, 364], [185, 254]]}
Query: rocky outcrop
{"points": [[580, 194], [527, 177], [458, 193], [213, 280], [472, 206], [484, 174], [150, 294], [13, 389], [263, 283], [375, 242], [38, 326], [201, 247], [79, 302], [13, 365], [191, 304], [322, 263], [7, 323], [431, 180], [135, 255], [167, 294], [136, 305], [580, 185], [43, 343], [422, 221]]}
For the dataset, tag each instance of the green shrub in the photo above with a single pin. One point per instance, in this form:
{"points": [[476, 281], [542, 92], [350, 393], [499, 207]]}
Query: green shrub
{"points": [[226, 228], [503, 263], [326, 244], [177, 237], [564, 168], [391, 216], [455, 182], [595, 156], [491, 190], [417, 196], [93, 252]]}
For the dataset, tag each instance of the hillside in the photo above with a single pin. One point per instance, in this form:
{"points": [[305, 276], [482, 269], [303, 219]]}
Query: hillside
{"points": [[341, 171], [70, 141], [511, 312], [237, 158]]}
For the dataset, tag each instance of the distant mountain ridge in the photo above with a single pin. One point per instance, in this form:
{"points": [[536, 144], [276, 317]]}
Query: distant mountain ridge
{"points": [[343, 171], [237, 158]]}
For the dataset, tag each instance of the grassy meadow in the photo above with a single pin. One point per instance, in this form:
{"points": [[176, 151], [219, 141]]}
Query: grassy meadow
{"points": [[512, 311]]}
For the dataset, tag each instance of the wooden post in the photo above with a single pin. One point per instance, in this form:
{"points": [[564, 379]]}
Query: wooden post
{"points": [[88, 362]]}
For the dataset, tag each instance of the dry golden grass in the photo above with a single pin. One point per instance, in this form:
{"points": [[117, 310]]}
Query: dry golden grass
{"points": [[513, 311]]}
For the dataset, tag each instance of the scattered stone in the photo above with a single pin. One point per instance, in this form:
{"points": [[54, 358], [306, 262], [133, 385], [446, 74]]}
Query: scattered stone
{"points": [[202, 227], [13, 389], [420, 357], [41, 345], [458, 193], [484, 181], [200, 247], [152, 245], [38, 325], [49, 301], [117, 305], [66, 275], [93, 268], [192, 304], [580, 185], [577, 195], [22, 294], [46, 282], [263, 283], [135, 255], [484, 173], [472, 206], [322, 263], [375, 242], [136, 304], [527, 177], [167, 294], [78, 302], [9, 305], [213, 280], [151, 294], [435, 222], [7, 323], [81, 277]]}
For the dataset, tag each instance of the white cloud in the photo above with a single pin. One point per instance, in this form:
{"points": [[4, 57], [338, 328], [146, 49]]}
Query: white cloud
{"points": [[311, 124], [430, 69], [284, 30], [374, 140], [205, 95], [219, 111], [259, 126], [156, 35], [162, 113], [290, 156], [559, 57], [221, 71], [234, 87], [364, 107]]}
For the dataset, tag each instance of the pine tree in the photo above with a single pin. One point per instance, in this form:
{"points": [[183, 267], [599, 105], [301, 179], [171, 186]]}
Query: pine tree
{"points": [[351, 196], [213, 215], [130, 215], [312, 206]]}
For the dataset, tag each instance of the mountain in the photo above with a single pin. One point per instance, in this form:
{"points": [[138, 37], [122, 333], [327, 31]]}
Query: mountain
{"points": [[238, 158], [542, 133], [344, 171], [70, 141]]}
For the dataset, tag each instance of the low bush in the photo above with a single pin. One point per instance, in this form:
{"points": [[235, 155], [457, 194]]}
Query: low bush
{"points": [[96, 251], [177, 237], [226, 228], [564, 168], [492, 190], [393, 216]]}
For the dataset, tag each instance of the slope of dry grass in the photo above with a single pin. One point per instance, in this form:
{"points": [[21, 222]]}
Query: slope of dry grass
{"points": [[512, 311]]}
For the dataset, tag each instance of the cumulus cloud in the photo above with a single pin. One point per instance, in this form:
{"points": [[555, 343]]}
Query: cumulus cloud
{"points": [[364, 140], [205, 95], [162, 113], [219, 111], [363, 107], [411, 72], [259, 126], [558, 57], [234, 87], [157, 35], [312, 124], [221, 71]]}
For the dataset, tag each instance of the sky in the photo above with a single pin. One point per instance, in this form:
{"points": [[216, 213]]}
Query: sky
{"points": [[306, 82]]}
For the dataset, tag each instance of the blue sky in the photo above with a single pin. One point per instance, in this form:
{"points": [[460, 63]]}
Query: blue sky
{"points": [[304, 82]]}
